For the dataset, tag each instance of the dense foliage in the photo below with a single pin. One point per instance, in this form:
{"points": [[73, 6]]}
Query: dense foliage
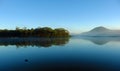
{"points": [[37, 32]]}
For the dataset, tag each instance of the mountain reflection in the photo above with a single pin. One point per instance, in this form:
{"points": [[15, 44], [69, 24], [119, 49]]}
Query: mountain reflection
{"points": [[101, 40], [39, 42]]}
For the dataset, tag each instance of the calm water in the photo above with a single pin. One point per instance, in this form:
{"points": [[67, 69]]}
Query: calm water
{"points": [[60, 54]]}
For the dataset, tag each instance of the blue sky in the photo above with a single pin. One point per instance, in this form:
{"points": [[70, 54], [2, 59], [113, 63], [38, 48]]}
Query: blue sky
{"points": [[75, 15]]}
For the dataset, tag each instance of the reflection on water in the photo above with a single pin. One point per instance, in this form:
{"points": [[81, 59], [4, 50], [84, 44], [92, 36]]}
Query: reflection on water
{"points": [[39, 42], [101, 40], [78, 55]]}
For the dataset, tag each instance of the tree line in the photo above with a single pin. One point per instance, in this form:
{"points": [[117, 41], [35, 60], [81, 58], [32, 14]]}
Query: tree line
{"points": [[37, 32]]}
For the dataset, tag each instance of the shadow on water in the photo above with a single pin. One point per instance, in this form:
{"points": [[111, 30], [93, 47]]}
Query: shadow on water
{"points": [[39, 42], [101, 40]]}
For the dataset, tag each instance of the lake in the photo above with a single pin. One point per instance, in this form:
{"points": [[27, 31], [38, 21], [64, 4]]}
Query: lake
{"points": [[60, 54]]}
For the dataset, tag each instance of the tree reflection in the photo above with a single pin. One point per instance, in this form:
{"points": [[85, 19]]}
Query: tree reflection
{"points": [[39, 42]]}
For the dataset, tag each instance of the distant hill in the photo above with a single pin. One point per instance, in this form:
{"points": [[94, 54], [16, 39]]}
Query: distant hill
{"points": [[101, 31]]}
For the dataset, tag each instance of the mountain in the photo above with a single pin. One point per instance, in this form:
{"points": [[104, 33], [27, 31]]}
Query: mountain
{"points": [[101, 31]]}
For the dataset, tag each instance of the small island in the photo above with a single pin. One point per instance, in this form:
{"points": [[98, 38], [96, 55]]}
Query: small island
{"points": [[45, 32]]}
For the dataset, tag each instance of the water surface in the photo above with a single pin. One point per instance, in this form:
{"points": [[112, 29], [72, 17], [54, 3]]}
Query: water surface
{"points": [[60, 54]]}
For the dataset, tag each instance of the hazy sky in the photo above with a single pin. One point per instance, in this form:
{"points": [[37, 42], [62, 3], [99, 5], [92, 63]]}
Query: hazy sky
{"points": [[74, 15]]}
